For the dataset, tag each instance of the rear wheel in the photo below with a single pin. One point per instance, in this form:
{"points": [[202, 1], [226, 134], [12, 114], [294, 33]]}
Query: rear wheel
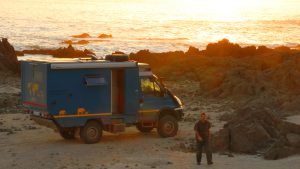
{"points": [[167, 126], [91, 132], [67, 133], [144, 129]]}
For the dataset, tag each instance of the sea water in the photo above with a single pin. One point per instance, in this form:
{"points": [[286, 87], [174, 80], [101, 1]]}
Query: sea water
{"points": [[157, 25]]}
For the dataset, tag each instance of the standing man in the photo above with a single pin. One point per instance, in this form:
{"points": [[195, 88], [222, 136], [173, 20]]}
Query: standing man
{"points": [[203, 136]]}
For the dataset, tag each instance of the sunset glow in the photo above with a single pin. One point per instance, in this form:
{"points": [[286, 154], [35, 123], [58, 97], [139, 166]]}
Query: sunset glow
{"points": [[158, 25], [227, 10]]}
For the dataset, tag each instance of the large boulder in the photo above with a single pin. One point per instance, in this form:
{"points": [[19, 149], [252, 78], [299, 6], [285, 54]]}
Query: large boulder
{"points": [[8, 58], [257, 130], [293, 139]]}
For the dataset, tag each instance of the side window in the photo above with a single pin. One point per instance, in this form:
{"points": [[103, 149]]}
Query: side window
{"points": [[149, 86], [94, 80], [37, 75]]}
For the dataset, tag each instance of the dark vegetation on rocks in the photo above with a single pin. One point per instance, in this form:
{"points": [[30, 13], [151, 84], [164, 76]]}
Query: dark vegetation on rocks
{"points": [[68, 52]]}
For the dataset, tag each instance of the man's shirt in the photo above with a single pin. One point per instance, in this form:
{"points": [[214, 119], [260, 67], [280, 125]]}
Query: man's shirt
{"points": [[203, 128]]}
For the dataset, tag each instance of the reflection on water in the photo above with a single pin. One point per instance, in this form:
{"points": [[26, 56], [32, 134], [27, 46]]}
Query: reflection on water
{"points": [[155, 25]]}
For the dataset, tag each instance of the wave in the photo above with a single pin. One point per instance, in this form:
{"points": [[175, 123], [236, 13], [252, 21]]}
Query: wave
{"points": [[161, 39]]}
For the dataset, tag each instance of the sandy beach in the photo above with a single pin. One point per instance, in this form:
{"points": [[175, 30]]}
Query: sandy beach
{"points": [[32, 146], [23, 145]]}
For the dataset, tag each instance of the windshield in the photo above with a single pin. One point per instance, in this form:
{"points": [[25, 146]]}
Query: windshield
{"points": [[150, 86]]}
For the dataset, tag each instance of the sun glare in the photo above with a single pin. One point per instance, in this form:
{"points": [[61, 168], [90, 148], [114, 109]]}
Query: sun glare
{"points": [[225, 10]]}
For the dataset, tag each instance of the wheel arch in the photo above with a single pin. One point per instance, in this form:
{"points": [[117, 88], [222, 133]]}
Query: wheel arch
{"points": [[168, 111], [98, 120]]}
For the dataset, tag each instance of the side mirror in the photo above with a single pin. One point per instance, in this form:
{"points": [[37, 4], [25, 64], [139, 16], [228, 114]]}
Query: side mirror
{"points": [[163, 92], [161, 81]]}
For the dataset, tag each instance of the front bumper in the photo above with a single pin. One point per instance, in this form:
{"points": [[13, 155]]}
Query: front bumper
{"points": [[180, 112], [44, 122]]}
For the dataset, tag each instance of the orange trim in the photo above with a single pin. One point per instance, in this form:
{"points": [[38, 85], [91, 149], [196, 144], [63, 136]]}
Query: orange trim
{"points": [[149, 111], [83, 115]]}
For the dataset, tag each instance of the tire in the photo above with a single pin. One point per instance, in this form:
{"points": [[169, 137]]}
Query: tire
{"points": [[91, 133], [144, 129], [167, 126], [67, 133]]}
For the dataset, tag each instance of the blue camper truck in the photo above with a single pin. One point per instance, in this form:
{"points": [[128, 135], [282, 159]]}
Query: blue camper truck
{"points": [[92, 96]]}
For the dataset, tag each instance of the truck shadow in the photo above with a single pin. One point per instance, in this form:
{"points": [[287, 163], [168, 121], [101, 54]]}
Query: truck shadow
{"points": [[108, 137], [116, 138]]}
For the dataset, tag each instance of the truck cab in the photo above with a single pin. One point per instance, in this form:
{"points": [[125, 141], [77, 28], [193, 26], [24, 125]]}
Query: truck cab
{"points": [[92, 96]]}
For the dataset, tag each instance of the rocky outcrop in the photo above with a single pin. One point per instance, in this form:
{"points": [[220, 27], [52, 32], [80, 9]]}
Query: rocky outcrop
{"points": [[80, 42], [69, 52], [105, 36], [258, 130], [83, 35], [250, 75], [8, 58]]}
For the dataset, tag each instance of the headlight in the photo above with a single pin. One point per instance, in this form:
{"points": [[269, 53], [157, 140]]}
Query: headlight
{"points": [[178, 101]]}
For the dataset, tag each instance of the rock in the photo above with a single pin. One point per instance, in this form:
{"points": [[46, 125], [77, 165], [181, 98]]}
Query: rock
{"points": [[105, 36], [221, 140], [195, 109], [169, 163], [8, 57], [227, 154], [279, 152], [69, 52], [80, 42], [254, 125], [293, 139], [244, 138], [83, 35], [182, 146], [192, 51], [188, 117], [9, 132]]}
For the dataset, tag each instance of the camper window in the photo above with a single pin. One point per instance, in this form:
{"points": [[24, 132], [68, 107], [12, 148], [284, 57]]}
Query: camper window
{"points": [[94, 81]]}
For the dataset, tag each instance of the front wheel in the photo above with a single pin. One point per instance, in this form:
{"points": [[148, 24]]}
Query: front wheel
{"points": [[167, 126], [91, 133]]}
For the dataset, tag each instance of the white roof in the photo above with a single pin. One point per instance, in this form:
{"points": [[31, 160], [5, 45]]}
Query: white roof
{"points": [[92, 64], [144, 69], [66, 63]]}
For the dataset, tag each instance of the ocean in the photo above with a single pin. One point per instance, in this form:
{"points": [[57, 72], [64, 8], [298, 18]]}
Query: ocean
{"points": [[159, 26]]}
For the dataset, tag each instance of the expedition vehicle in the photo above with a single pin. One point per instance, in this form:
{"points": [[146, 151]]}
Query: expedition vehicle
{"points": [[92, 96]]}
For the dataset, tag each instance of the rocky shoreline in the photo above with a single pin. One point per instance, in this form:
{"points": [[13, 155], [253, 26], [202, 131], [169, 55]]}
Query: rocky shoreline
{"points": [[257, 87]]}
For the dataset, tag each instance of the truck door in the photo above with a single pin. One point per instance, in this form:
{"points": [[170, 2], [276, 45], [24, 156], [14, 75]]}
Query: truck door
{"points": [[117, 91], [153, 99]]}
